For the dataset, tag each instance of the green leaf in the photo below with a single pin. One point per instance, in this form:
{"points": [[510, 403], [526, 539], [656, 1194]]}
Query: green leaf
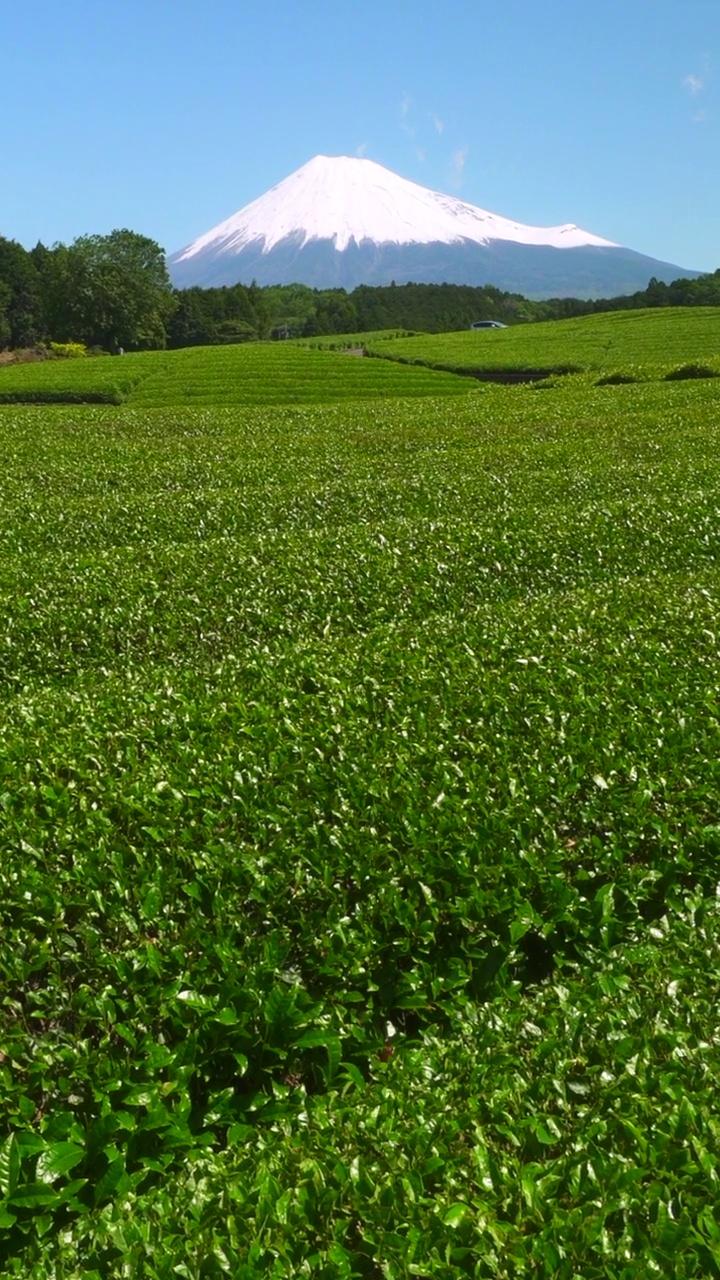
{"points": [[57, 1160], [9, 1166], [279, 1006], [110, 1180], [33, 1195], [323, 1040], [543, 1135], [68, 1192], [194, 999], [314, 1039], [227, 1017], [456, 1214], [141, 1096], [353, 1073]]}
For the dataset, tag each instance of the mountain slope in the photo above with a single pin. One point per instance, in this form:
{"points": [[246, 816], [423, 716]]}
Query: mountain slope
{"points": [[341, 222]]}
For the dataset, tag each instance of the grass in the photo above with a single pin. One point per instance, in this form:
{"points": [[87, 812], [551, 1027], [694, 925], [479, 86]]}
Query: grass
{"points": [[358, 805]]}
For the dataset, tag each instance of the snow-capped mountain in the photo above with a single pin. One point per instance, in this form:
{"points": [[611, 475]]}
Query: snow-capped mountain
{"points": [[341, 221]]}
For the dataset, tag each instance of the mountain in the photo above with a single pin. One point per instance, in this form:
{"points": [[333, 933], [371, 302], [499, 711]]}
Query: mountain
{"points": [[339, 222]]}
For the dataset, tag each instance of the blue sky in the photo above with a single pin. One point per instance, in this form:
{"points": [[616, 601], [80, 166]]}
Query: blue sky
{"points": [[168, 117]]}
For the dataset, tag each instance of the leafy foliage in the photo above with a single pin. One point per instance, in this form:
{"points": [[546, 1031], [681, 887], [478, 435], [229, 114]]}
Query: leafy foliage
{"points": [[116, 292], [268, 373], [640, 345], [433, 308], [692, 370], [69, 350], [20, 297], [358, 806], [109, 291]]}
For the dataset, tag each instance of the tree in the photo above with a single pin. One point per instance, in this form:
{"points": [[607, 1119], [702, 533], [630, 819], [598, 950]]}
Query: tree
{"points": [[51, 268], [21, 320], [116, 291], [5, 300]]}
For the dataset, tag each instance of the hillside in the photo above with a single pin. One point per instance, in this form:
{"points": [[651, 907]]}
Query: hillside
{"points": [[638, 345], [251, 374]]}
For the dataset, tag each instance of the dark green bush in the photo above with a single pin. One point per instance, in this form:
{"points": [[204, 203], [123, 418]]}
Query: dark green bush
{"points": [[112, 395], [686, 371]]}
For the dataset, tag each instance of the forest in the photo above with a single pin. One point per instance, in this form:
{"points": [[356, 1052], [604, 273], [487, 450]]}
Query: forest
{"points": [[113, 293]]}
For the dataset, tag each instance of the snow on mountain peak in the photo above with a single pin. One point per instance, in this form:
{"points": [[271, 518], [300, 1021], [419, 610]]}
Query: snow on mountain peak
{"points": [[345, 199]]}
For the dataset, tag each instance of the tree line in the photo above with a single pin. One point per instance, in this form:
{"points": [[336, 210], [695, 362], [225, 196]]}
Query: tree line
{"points": [[108, 292], [244, 312], [113, 292]]}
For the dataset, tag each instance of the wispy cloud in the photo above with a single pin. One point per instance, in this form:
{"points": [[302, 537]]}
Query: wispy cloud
{"points": [[695, 86], [458, 165], [360, 151], [422, 128], [405, 107]]}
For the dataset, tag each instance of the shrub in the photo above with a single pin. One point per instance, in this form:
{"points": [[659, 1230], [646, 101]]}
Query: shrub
{"points": [[691, 371], [68, 350], [54, 395]]}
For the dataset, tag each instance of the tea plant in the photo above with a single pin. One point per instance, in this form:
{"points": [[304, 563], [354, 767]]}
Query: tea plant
{"points": [[257, 373], [358, 814], [645, 344]]}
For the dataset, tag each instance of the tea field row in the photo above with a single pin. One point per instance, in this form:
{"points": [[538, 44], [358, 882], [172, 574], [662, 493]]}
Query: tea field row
{"points": [[255, 373], [622, 346], [358, 812], [642, 345]]}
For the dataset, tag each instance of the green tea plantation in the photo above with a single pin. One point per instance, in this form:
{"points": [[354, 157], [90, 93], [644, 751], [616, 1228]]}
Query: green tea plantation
{"points": [[359, 822]]}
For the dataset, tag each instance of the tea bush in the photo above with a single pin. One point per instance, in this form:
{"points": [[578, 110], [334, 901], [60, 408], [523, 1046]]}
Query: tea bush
{"points": [[358, 782], [644, 344], [248, 374]]}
